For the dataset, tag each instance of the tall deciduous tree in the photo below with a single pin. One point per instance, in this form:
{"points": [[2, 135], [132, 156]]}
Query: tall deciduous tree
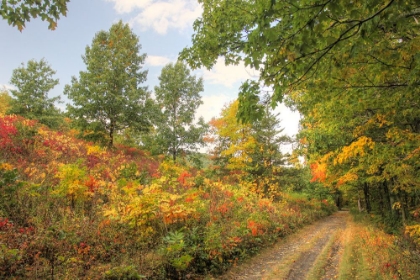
{"points": [[18, 12], [108, 98], [33, 83], [178, 96]]}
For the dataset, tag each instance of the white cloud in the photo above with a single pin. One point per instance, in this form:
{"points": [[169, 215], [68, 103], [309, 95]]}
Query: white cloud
{"points": [[160, 15], [6, 87], [155, 60], [127, 6], [212, 106], [289, 120], [228, 75]]}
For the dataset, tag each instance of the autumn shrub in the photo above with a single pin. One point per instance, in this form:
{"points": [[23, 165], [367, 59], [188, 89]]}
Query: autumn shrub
{"points": [[74, 209], [16, 136], [413, 231], [9, 187], [122, 272]]}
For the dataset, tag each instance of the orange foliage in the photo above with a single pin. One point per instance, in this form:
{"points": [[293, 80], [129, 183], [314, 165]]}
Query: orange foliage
{"points": [[319, 172], [183, 176]]}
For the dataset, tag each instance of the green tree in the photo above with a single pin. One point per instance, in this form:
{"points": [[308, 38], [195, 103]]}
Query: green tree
{"points": [[107, 98], [33, 82], [178, 96], [18, 12]]}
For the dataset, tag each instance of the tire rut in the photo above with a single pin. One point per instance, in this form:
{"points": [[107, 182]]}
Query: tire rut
{"points": [[331, 268], [300, 268]]}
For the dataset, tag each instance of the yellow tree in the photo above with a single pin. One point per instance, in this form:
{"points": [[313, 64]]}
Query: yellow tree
{"points": [[235, 143], [251, 148], [4, 102]]}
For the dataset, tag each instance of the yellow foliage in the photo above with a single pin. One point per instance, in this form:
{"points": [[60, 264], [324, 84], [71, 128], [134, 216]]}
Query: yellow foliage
{"points": [[72, 178], [241, 143], [414, 232], [4, 101], [94, 150], [6, 166], [355, 149], [348, 177]]}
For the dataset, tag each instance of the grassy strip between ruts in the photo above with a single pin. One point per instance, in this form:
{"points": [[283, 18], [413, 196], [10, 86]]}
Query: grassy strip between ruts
{"points": [[281, 271], [369, 253], [324, 259]]}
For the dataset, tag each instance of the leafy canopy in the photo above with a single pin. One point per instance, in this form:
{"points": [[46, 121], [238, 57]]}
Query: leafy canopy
{"points": [[18, 12], [234, 142], [293, 44]]}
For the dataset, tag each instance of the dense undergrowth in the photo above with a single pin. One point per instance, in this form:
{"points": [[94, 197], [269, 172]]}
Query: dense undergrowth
{"points": [[371, 253], [70, 209]]}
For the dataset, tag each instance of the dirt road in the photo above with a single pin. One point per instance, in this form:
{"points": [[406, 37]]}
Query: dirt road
{"points": [[313, 250]]}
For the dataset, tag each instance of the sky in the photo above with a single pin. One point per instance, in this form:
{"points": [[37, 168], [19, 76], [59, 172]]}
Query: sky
{"points": [[164, 28]]}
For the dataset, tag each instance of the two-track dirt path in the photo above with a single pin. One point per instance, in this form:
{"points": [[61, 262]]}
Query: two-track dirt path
{"points": [[295, 256]]}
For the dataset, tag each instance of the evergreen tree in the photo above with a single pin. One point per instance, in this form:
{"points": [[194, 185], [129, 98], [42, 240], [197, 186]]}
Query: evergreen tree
{"points": [[268, 134]]}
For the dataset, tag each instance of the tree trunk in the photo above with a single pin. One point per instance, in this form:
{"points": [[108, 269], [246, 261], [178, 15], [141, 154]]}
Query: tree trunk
{"points": [[111, 135], [381, 201], [367, 197], [174, 155], [389, 199], [338, 199], [359, 204], [403, 208]]}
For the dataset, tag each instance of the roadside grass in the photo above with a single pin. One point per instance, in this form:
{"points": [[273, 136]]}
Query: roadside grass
{"points": [[352, 264], [369, 253]]}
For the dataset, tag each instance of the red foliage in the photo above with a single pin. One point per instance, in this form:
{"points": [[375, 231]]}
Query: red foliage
{"points": [[7, 130], [5, 224], [92, 184], [182, 176], [130, 152], [92, 161], [253, 226], [228, 193]]}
